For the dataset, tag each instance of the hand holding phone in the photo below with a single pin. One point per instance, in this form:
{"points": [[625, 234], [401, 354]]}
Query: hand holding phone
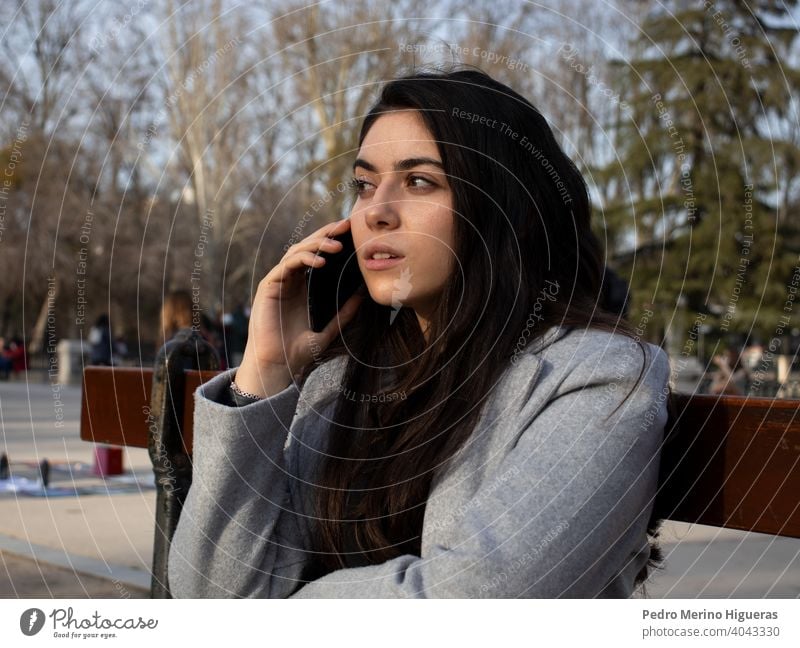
{"points": [[279, 336]]}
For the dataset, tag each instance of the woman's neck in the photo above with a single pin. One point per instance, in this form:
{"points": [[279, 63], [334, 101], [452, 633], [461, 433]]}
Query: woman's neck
{"points": [[424, 325]]}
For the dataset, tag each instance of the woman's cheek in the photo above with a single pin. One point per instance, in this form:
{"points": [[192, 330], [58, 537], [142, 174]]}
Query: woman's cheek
{"points": [[441, 265]]}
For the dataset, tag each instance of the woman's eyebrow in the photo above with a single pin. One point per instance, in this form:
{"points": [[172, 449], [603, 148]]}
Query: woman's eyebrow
{"points": [[402, 165]]}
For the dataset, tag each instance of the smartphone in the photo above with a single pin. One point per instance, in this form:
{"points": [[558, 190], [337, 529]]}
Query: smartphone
{"points": [[331, 285]]}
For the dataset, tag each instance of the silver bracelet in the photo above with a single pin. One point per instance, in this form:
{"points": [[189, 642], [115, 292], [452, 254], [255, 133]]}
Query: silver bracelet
{"points": [[235, 389]]}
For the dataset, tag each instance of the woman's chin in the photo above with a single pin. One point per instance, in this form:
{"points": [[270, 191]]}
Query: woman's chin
{"points": [[382, 298], [384, 293]]}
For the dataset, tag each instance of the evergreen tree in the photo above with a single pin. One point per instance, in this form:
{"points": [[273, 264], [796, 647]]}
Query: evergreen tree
{"points": [[695, 204]]}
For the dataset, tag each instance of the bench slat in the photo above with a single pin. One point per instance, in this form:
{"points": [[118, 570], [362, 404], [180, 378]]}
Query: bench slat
{"points": [[733, 462], [115, 404]]}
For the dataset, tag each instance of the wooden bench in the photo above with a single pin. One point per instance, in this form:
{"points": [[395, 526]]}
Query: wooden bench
{"points": [[728, 461]]}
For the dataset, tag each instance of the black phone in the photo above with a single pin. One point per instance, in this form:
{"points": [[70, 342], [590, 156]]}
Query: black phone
{"points": [[332, 284]]}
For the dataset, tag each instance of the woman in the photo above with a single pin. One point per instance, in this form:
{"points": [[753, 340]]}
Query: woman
{"points": [[176, 313], [471, 426]]}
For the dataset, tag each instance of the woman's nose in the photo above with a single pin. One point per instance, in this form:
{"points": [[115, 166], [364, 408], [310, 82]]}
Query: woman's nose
{"points": [[383, 210]]}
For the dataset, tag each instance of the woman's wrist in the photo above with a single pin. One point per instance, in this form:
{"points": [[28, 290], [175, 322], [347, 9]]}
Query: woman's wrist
{"points": [[240, 396], [262, 381]]}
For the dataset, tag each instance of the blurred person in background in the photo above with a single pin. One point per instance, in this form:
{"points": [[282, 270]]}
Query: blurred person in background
{"points": [[732, 377], [176, 314], [101, 350], [5, 361]]}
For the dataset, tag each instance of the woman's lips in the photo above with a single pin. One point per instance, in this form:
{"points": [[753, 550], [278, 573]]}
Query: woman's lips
{"points": [[382, 264]]}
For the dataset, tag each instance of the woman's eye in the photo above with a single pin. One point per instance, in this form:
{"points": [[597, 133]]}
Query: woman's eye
{"points": [[358, 186], [418, 182]]}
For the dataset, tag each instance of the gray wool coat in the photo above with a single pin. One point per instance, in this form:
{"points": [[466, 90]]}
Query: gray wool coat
{"points": [[550, 497]]}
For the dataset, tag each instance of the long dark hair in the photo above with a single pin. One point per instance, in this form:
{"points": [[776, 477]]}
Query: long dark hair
{"points": [[522, 220]]}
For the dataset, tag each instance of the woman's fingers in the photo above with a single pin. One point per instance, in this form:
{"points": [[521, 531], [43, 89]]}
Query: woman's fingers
{"points": [[320, 241], [333, 229], [298, 261], [287, 269], [322, 244], [328, 231], [304, 254]]}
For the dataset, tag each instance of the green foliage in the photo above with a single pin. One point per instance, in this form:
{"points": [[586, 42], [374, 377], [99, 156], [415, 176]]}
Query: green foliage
{"points": [[695, 198]]}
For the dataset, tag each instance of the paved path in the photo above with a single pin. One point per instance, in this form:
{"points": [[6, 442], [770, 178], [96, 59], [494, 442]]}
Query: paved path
{"points": [[707, 562], [106, 533], [25, 578], [103, 539]]}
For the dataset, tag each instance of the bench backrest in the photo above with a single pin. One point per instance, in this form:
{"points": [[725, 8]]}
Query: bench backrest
{"points": [[730, 462]]}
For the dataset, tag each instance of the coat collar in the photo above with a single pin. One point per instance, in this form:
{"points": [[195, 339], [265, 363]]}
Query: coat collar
{"points": [[530, 352], [551, 335], [526, 365]]}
